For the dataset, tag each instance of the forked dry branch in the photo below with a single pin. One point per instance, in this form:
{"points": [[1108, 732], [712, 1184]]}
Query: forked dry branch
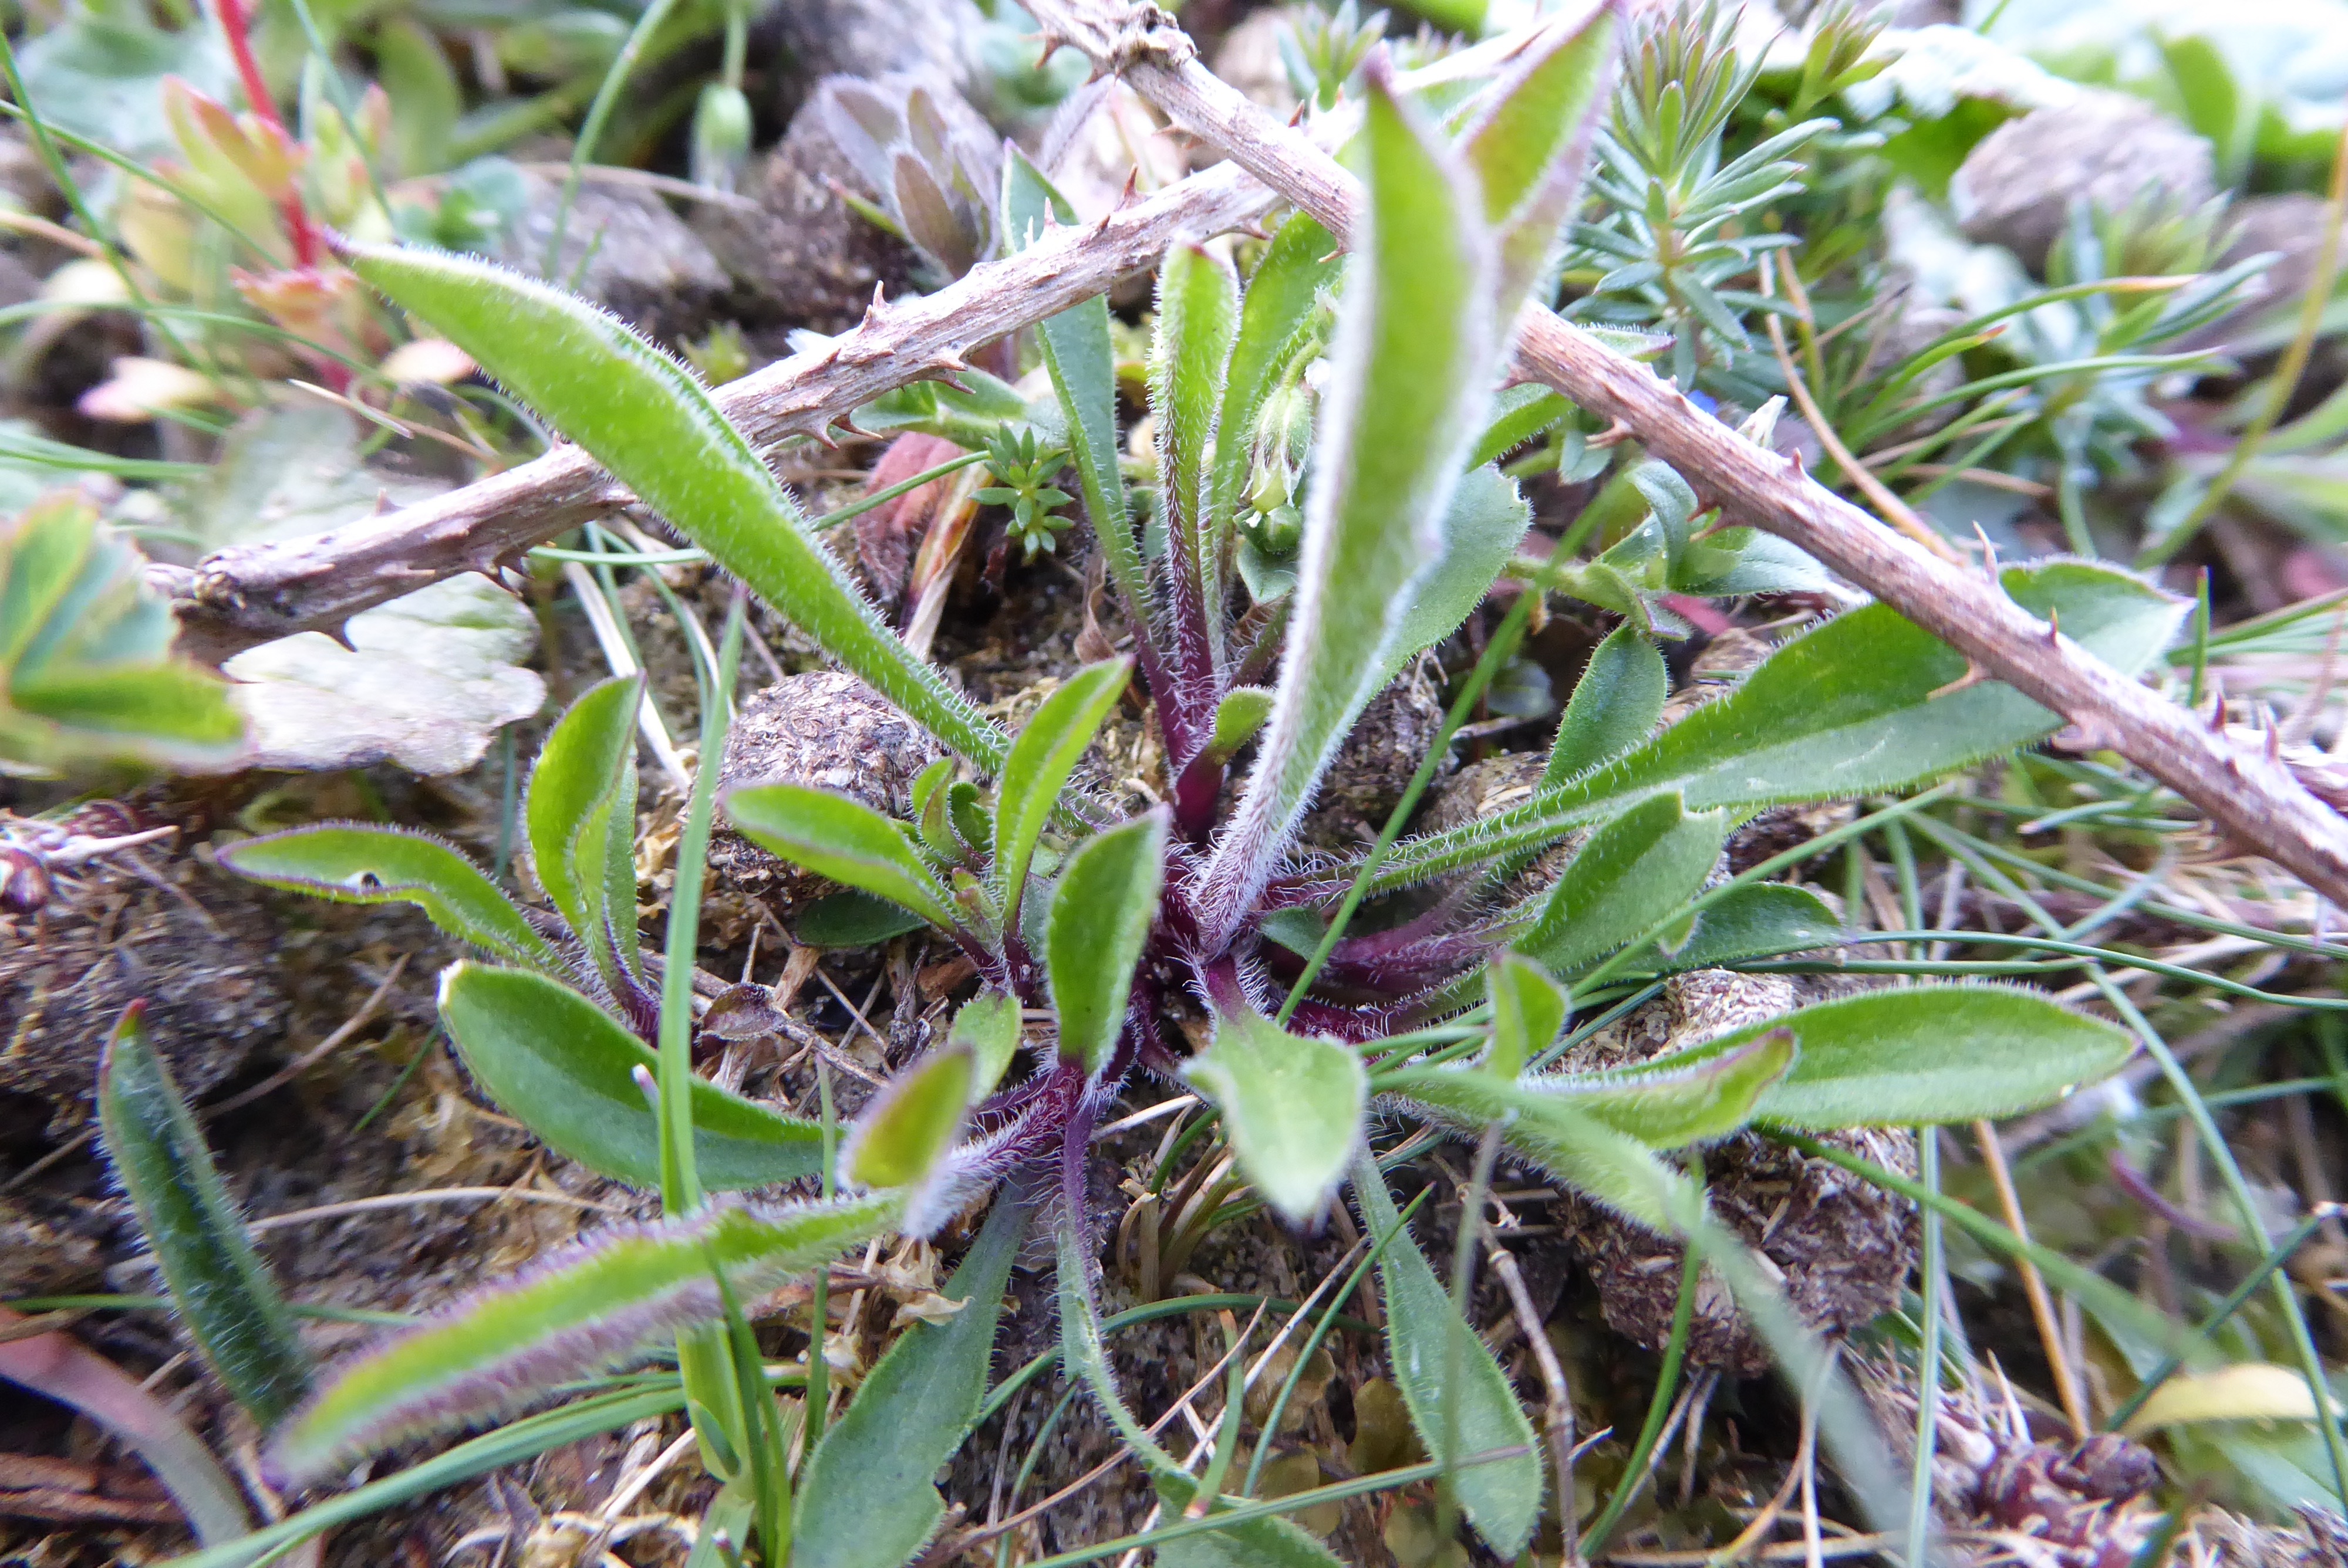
{"points": [[2250, 794]]}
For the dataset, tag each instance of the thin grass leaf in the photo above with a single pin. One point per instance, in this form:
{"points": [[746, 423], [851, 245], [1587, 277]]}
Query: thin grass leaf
{"points": [[588, 1307], [361, 863], [650, 422], [222, 1290], [1098, 922], [1502, 1500], [1042, 759], [566, 1070]]}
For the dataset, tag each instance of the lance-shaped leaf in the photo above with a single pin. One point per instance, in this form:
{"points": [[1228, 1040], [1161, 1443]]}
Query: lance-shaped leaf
{"points": [[1758, 920], [1082, 363], [222, 1288], [1099, 923], [1633, 872], [910, 1124], [1614, 706], [1198, 320], [1930, 1053], [567, 1070], [1042, 759], [1441, 1365], [1518, 414], [581, 814], [1481, 529], [844, 839], [359, 863], [647, 419], [1665, 1105], [1412, 372], [988, 1026], [1527, 1009], [586, 1308], [1238, 717], [1277, 323], [1528, 143], [865, 1499], [1864, 704], [1292, 1107]]}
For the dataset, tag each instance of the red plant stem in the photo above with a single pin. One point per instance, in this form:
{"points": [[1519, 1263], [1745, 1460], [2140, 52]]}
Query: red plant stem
{"points": [[237, 24]]}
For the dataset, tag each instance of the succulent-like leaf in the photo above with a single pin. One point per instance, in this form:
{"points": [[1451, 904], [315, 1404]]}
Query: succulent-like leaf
{"points": [[1932, 1053], [1527, 1009], [588, 1307], [1441, 1365], [1666, 1104], [1632, 872], [865, 1499], [1415, 351], [1099, 921], [1042, 759], [1198, 320], [1864, 704], [1292, 1107], [651, 424], [566, 1070], [1276, 324], [222, 1288], [1082, 363], [909, 1124], [581, 814], [988, 1025], [360, 863], [1528, 143], [844, 839], [1615, 705]]}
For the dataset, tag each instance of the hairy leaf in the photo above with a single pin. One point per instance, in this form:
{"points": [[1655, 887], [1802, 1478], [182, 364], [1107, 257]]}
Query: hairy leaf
{"points": [[1042, 759], [909, 1124], [588, 1307], [359, 863], [866, 1498], [1615, 705], [222, 1288], [1758, 920], [1416, 343], [1633, 872], [1518, 414], [1098, 921], [566, 1070], [1292, 1107], [1530, 141], [1198, 320], [581, 813], [1277, 324], [844, 839], [1528, 1010], [1238, 717], [1481, 529], [646, 418], [988, 1024], [1426, 1340]]}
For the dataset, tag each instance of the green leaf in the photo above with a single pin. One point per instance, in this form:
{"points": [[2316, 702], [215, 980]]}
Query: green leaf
{"points": [[1633, 872], [1278, 323], [1198, 322], [844, 839], [1848, 710], [581, 813], [1528, 143], [358, 862], [565, 1069], [644, 417], [967, 418], [1481, 529], [851, 920], [1042, 759], [595, 1304], [1666, 1104], [866, 1498], [87, 674], [1518, 414], [1615, 706], [1426, 1338], [1932, 1053], [1292, 1107], [1528, 1009], [1412, 372], [222, 1288], [1082, 363], [1758, 920], [1099, 923], [988, 1026], [910, 1124], [1238, 717]]}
